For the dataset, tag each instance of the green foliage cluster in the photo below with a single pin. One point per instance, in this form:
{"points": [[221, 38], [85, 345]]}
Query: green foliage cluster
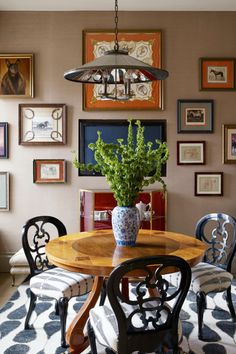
{"points": [[126, 166]]}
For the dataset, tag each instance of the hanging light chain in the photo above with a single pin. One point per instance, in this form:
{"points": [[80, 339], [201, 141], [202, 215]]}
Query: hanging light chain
{"points": [[116, 46]]}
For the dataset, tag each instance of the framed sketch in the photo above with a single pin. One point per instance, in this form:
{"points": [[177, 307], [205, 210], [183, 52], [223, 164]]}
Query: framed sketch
{"points": [[208, 183], [194, 116], [16, 75], [142, 45], [3, 140], [229, 143], [42, 124], [217, 74], [49, 171], [190, 152], [4, 191]]}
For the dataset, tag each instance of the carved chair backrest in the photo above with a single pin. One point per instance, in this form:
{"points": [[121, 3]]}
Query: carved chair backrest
{"points": [[148, 320], [36, 233], [218, 231]]}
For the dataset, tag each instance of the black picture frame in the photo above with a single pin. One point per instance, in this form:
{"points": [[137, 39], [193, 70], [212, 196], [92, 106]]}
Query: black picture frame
{"points": [[112, 130]]}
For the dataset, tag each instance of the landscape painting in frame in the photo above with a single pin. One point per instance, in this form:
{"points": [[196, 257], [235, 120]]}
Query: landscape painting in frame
{"points": [[4, 191], [16, 75], [3, 140], [42, 124], [229, 143], [217, 74], [145, 46]]}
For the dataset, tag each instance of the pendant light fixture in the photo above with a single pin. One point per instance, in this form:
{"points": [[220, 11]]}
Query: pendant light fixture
{"points": [[115, 68]]}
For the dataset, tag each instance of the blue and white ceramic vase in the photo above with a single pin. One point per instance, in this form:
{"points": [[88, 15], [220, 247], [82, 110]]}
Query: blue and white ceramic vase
{"points": [[125, 225]]}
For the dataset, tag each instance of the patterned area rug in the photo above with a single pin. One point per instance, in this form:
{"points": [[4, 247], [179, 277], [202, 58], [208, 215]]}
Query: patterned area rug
{"points": [[44, 337]]}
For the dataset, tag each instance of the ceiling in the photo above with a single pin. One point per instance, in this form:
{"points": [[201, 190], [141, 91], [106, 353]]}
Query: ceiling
{"points": [[124, 5]]}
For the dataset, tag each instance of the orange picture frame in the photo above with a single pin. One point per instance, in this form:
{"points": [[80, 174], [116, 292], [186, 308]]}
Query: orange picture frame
{"points": [[143, 45], [49, 171], [217, 74]]}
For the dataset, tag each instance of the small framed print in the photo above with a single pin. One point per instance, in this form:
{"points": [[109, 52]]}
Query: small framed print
{"points": [[42, 124], [194, 116], [49, 171], [190, 152], [4, 191], [217, 74], [208, 183], [3, 140], [16, 75], [229, 143]]}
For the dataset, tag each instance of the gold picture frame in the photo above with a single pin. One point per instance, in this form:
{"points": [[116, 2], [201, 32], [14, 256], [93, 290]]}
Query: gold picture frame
{"points": [[143, 45], [16, 75]]}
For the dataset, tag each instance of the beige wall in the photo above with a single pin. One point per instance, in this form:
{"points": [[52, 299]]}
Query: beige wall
{"points": [[56, 41]]}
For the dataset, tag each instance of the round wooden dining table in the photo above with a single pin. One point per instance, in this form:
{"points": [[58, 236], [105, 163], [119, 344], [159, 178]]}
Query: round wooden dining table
{"points": [[96, 253]]}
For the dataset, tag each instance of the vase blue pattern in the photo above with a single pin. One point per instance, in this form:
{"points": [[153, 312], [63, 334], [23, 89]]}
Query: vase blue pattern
{"points": [[125, 225]]}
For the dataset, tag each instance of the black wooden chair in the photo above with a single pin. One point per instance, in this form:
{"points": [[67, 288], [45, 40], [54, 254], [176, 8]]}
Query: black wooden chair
{"points": [[46, 280], [213, 275], [147, 321]]}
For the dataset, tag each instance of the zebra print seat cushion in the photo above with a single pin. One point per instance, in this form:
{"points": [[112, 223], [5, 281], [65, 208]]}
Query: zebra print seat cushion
{"points": [[104, 324], [209, 278], [57, 282]]}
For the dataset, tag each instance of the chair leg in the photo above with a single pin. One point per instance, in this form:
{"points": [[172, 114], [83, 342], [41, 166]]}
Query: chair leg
{"points": [[201, 305], [56, 308], [92, 338], [63, 306], [103, 293], [230, 304], [33, 298]]}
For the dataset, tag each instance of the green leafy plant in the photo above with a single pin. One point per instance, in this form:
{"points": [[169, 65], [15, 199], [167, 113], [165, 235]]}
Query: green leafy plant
{"points": [[126, 166]]}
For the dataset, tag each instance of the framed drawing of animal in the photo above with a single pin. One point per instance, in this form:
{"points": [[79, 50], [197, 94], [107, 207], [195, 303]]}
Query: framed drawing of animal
{"points": [[16, 75], [42, 124], [217, 74]]}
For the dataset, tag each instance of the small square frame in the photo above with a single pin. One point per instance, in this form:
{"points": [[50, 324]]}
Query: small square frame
{"points": [[49, 171], [195, 116], [229, 143], [21, 68], [208, 183], [191, 152], [42, 124], [217, 74], [144, 45], [3, 140], [4, 191]]}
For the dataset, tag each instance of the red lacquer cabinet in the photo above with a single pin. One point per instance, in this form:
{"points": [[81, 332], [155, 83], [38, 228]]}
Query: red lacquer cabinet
{"points": [[96, 207]]}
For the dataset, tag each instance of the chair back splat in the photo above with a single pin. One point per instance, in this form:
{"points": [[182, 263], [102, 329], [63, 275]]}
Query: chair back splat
{"points": [[218, 231], [35, 235], [148, 320]]}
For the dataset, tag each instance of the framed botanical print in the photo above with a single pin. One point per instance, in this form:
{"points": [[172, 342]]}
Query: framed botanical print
{"points": [[194, 116], [229, 143], [4, 191], [3, 140], [16, 75], [49, 171], [42, 124], [217, 74], [142, 45], [190, 152], [208, 183]]}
